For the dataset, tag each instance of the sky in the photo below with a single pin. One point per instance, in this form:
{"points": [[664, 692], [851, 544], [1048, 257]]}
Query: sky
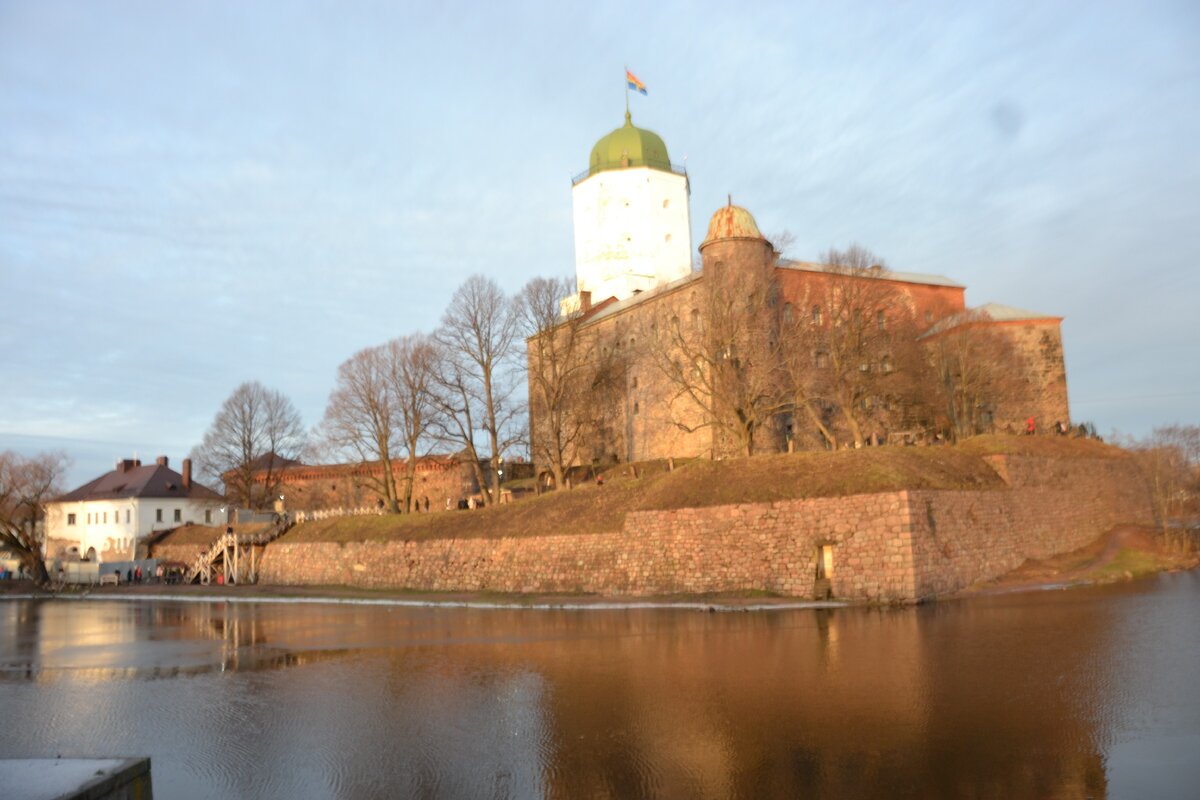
{"points": [[196, 194]]}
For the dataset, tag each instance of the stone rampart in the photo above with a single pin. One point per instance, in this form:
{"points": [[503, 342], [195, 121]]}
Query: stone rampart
{"points": [[894, 546]]}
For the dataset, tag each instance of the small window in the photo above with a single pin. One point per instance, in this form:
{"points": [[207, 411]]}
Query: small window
{"points": [[695, 318], [635, 408], [881, 321], [821, 359], [208, 516], [179, 515], [105, 520], [666, 204], [632, 341], [885, 364], [635, 381], [816, 315], [127, 516], [667, 238], [158, 515], [89, 518], [787, 312], [70, 519]]}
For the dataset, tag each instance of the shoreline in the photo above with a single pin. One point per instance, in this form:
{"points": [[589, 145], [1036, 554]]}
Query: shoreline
{"points": [[1123, 554]]}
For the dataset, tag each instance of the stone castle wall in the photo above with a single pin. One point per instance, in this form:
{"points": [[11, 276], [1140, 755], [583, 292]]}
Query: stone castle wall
{"points": [[894, 546]]}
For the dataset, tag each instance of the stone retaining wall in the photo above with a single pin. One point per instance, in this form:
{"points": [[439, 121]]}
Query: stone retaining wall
{"points": [[894, 546]]}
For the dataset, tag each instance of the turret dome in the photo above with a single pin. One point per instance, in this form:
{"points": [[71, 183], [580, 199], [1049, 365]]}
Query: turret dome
{"points": [[731, 222], [629, 146]]}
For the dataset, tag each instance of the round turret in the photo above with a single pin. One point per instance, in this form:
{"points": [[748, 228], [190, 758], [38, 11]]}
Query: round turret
{"points": [[629, 146], [734, 241]]}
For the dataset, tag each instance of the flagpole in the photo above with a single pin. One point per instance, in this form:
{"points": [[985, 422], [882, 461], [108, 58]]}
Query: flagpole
{"points": [[627, 91]]}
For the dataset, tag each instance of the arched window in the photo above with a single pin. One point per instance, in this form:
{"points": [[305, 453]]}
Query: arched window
{"points": [[816, 315], [821, 359], [885, 364], [787, 312], [695, 318], [881, 320]]}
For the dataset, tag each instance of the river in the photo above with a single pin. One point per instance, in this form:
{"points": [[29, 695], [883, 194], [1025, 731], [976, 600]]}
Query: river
{"points": [[1081, 693]]}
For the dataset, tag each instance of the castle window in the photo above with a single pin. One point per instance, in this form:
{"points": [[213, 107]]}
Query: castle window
{"points": [[816, 315], [70, 519], [821, 359], [179, 515], [89, 518], [635, 408], [127, 516], [105, 518], [695, 318], [667, 238], [787, 312], [208, 516], [881, 321], [885, 364], [635, 383], [632, 341], [158, 515], [666, 202]]}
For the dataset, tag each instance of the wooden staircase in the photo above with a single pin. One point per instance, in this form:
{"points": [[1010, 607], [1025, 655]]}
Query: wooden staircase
{"points": [[235, 556]]}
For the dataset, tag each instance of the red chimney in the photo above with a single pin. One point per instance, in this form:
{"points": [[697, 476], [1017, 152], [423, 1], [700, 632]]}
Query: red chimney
{"points": [[162, 461], [187, 474], [585, 301]]}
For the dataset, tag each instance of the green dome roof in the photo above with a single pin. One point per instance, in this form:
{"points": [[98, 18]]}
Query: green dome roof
{"points": [[629, 146]]}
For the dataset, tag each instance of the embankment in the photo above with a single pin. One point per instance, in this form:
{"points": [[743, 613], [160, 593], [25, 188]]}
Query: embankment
{"points": [[899, 545]]}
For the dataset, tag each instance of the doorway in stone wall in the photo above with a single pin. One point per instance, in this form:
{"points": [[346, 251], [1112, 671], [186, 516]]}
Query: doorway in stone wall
{"points": [[823, 583]]}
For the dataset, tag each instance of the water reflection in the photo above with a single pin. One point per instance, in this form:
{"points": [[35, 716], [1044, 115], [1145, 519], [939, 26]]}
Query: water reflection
{"points": [[1053, 695]]}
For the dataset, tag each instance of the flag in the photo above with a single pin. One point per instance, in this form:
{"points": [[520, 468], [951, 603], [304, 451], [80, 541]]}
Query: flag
{"points": [[632, 81]]}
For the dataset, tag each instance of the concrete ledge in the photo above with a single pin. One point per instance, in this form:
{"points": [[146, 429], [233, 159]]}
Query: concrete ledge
{"points": [[76, 778]]}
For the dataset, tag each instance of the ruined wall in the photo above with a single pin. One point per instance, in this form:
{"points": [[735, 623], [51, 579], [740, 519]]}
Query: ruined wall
{"points": [[894, 546]]}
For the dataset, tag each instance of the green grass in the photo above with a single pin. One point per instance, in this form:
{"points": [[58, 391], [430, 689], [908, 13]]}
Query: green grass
{"points": [[695, 483], [1133, 562]]}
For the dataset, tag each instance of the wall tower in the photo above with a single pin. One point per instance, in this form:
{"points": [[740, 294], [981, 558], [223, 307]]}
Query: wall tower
{"points": [[632, 217]]}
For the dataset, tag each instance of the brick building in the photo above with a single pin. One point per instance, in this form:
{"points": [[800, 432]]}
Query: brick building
{"points": [[440, 480], [646, 323]]}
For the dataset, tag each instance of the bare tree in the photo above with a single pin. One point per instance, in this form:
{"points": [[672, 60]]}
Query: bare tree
{"points": [[975, 370], [563, 367], [850, 347], [477, 379], [724, 357], [1170, 459], [26, 484], [254, 435], [361, 415], [412, 370]]}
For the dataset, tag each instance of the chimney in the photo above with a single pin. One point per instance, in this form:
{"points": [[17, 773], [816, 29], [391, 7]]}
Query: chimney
{"points": [[126, 464], [187, 474], [585, 301], [162, 461]]}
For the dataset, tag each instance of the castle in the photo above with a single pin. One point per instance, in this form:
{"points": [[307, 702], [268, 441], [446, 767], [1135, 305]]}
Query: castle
{"points": [[756, 353]]}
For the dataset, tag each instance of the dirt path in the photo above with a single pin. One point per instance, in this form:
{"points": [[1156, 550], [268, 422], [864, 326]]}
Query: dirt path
{"points": [[1124, 553]]}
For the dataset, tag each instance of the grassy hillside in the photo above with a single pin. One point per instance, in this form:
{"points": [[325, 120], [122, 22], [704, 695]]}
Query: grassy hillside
{"points": [[649, 486]]}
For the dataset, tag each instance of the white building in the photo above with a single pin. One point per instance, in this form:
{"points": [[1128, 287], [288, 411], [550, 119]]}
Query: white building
{"points": [[107, 518]]}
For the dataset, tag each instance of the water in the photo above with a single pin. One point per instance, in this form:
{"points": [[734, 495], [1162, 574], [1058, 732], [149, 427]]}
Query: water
{"points": [[1050, 694]]}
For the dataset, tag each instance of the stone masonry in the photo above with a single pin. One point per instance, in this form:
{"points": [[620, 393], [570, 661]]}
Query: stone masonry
{"points": [[889, 547]]}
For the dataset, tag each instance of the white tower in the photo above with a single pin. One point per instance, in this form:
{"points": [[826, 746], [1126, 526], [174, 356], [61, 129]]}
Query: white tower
{"points": [[633, 228]]}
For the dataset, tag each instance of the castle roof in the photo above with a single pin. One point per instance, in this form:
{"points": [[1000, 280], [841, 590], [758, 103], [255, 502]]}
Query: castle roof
{"points": [[890, 275], [629, 146], [731, 222], [988, 313]]}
